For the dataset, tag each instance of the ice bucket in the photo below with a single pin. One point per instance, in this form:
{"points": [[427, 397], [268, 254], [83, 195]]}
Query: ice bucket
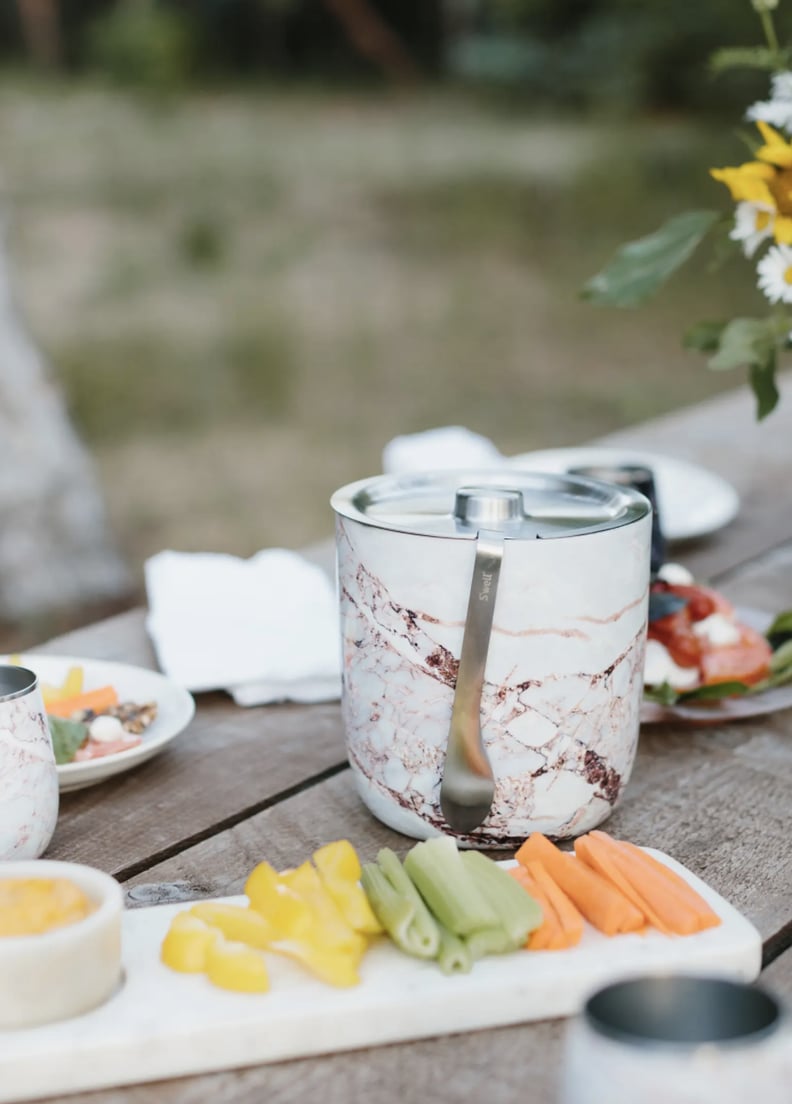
{"points": [[560, 696]]}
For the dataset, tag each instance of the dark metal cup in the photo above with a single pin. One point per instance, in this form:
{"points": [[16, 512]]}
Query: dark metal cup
{"points": [[642, 479]]}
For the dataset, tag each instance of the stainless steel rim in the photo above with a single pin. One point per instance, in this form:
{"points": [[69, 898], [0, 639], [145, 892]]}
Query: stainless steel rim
{"points": [[16, 682], [683, 1012]]}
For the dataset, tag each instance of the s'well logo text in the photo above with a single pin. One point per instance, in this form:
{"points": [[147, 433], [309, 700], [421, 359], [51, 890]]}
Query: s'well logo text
{"points": [[486, 586]]}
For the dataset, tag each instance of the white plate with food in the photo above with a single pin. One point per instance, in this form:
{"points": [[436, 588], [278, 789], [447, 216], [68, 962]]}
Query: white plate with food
{"points": [[148, 712], [691, 501], [749, 660]]}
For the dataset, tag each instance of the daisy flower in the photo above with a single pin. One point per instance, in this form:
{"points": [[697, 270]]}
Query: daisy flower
{"points": [[778, 109], [775, 274], [753, 224], [766, 184]]}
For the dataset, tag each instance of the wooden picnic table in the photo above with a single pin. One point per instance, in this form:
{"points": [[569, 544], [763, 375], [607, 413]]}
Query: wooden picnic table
{"points": [[243, 784]]}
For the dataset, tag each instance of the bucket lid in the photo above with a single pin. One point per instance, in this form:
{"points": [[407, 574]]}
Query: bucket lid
{"points": [[523, 505]]}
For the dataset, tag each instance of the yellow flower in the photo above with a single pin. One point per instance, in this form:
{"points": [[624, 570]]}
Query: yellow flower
{"points": [[765, 183], [749, 183], [776, 150]]}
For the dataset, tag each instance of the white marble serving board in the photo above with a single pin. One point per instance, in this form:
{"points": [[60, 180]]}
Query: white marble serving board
{"points": [[161, 1024]]}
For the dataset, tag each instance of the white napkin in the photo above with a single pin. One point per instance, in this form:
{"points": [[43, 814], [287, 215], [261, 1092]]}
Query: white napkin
{"points": [[264, 629], [442, 448]]}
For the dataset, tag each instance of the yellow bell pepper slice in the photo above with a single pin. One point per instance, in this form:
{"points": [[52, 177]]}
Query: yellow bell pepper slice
{"points": [[330, 929], [187, 943], [328, 964], [289, 916], [236, 922], [72, 686], [339, 870], [231, 965]]}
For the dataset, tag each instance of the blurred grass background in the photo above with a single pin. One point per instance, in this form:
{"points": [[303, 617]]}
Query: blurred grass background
{"points": [[247, 278]]}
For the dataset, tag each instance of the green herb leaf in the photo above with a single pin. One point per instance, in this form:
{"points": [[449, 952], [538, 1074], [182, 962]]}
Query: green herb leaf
{"points": [[67, 736], [781, 658], [641, 267], [664, 694], [704, 336], [716, 691], [781, 629]]}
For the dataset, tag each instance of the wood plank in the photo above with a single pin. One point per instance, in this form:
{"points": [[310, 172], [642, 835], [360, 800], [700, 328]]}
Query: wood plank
{"points": [[723, 435], [778, 977], [228, 763], [499, 1066]]}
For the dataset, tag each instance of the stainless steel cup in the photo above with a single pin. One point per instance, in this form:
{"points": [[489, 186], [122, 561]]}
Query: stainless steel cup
{"points": [[690, 1040], [28, 775]]}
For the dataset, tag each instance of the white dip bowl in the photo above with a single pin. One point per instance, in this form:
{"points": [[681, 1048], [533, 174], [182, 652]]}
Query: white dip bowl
{"points": [[63, 972]]}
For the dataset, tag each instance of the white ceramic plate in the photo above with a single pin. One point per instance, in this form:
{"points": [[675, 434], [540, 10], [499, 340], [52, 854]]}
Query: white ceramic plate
{"points": [[691, 501], [723, 710], [175, 708]]}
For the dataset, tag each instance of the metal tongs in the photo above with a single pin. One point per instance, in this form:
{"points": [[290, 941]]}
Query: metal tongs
{"points": [[467, 787]]}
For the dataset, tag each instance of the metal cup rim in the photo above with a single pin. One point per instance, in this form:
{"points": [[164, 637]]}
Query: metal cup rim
{"points": [[612, 1012], [28, 681]]}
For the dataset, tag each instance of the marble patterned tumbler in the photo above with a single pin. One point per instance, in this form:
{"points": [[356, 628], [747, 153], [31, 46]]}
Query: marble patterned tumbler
{"points": [[28, 775], [560, 706]]}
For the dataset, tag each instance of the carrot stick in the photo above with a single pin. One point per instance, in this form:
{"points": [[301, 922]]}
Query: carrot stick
{"points": [[568, 916], [595, 855], [602, 905], [548, 936], [657, 883], [97, 700]]}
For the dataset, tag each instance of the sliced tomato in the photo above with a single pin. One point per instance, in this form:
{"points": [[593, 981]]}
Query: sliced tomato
{"points": [[748, 660], [676, 634]]}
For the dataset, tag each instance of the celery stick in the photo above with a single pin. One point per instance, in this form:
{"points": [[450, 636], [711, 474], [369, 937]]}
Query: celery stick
{"points": [[517, 912], [423, 928], [397, 912], [487, 941], [447, 887], [453, 956]]}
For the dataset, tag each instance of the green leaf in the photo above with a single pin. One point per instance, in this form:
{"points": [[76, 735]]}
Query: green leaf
{"points": [[744, 342], [753, 343], [67, 736], [763, 382], [747, 57], [704, 336], [641, 267]]}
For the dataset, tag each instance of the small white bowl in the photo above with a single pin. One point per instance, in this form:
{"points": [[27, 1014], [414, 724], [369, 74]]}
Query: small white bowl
{"points": [[66, 971]]}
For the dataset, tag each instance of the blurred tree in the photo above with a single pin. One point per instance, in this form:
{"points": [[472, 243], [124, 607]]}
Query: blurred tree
{"points": [[55, 551], [40, 20], [373, 38]]}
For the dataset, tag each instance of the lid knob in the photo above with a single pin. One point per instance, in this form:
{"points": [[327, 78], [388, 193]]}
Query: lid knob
{"points": [[488, 507]]}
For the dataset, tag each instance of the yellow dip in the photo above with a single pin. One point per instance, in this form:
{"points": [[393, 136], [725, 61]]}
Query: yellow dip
{"points": [[29, 906]]}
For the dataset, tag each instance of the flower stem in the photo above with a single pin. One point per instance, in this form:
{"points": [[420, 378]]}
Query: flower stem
{"points": [[770, 32]]}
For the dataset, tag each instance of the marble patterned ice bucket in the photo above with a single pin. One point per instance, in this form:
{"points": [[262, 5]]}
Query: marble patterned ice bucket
{"points": [[560, 706], [28, 775]]}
